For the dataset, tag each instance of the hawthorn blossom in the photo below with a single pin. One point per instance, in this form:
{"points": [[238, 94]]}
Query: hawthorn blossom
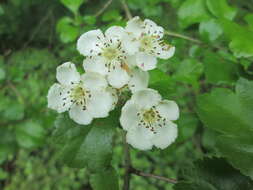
{"points": [[145, 37], [84, 96], [148, 120], [106, 54], [138, 79]]}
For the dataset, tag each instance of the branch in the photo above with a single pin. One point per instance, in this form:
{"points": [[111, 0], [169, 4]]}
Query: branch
{"points": [[16, 92], [127, 177], [174, 34], [126, 9], [100, 11], [140, 173]]}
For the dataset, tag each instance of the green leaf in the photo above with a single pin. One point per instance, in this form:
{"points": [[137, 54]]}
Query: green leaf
{"points": [[240, 38], [89, 19], [230, 114], [14, 111], [105, 180], [218, 70], [30, 134], [210, 30], [73, 5], [189, 71], [213, 174], [68, 32], [83, 146], [249, 19], [2, 74], [112, 15], [221, 9], [192, 12]]}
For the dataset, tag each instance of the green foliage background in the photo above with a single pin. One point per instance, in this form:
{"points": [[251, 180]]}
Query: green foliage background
{"points": [[210, 76]]}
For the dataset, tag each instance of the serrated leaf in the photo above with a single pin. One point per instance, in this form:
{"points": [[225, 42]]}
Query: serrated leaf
{"points": [[218, 70], [68, 32], [240, 37], [210, 30], [213, 174], [85, 146], [105, 180], [230, 114], [73, 5], [221, 9], [192, 12]]}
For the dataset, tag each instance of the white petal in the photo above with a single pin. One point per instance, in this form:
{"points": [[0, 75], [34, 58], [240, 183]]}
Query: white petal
{"points": [[129, 118], [146, 98], [151, 28], [94, 81], [55, 97], [165, 52], [90, 43], [115, 32], [130, 44], [135, 26], [168, 109], [118, 77], [114, 95], [139, 137], [95, 64], [165, 135], [67, 73], [145, 62], [100, 103], [80, 116], [131, 60], [139, 80]]}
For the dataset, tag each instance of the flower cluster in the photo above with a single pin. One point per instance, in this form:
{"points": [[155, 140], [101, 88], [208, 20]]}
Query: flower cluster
{"points": [[119, 59]]}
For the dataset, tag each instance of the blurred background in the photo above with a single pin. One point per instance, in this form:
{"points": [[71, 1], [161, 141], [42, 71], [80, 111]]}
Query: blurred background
{"points": [[38, 35]]}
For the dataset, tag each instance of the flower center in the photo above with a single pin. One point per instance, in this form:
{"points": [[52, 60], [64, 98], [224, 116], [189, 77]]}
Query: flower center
{"points": [[110, 53], [146, 43], [149, 116], [78, 95], [151, 119]]}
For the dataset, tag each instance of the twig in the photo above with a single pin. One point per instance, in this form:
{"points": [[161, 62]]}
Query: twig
{"points": [[100, 11], [140, 173], [128, 167], [126, 9], [174, 34]]}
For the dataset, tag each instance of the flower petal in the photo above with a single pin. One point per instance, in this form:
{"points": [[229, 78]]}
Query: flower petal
{"points": [[115, 32], [135, 26], [139, 80], [55, 97], [139, 137], [151, 28], [94, 81], [67, 74], [146, 98], [80, 116], [145, 62], [168, 109], [165, 51], [165, 135], [95, 64], [118, 77], [130, 44], [129, 118], [90, 43], [100, 103], [114, 95]]}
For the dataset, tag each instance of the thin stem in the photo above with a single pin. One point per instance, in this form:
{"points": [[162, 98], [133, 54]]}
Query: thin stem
{"points": [[106, 5], [174, 34], [140, 173], [127, 177], [15, 90], [126, 9]]}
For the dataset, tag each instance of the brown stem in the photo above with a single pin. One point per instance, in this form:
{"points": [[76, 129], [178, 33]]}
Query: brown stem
{"points": [[140, 173], [174, 34], [127, 177], [106, 5], [126, 9]]}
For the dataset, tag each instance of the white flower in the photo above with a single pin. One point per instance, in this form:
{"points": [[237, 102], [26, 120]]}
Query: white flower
{"points": [[138, 79], [85, 96], [146, 37], [148, 120], [106, 54]]}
